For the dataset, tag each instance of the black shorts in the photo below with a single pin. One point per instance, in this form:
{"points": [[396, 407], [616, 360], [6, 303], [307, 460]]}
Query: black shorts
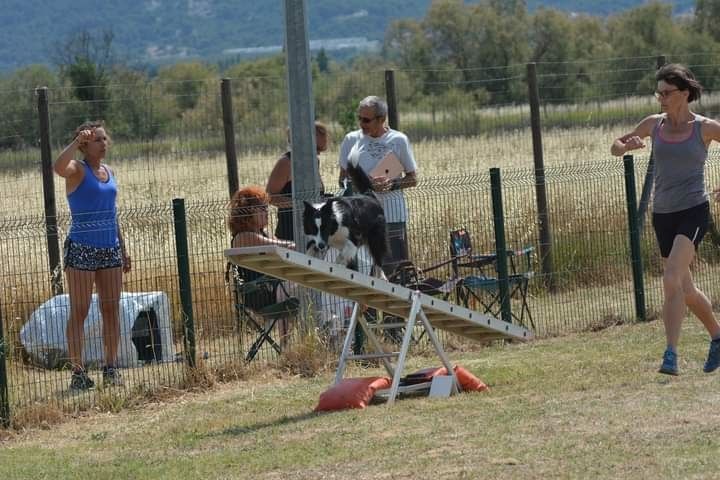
{"points": [[691, 222]]}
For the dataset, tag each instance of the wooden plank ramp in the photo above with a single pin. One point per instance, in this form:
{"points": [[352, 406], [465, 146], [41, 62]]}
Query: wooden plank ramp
{"points": [[376, 293]]}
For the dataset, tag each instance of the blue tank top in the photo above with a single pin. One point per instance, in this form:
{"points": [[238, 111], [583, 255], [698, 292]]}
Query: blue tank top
{"points": [[679, 170], [93, 212]]}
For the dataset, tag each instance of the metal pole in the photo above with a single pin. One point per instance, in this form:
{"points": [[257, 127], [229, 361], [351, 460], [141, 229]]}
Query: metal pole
{"points": [[301, 112], [51, 231], [391, 97], [305, 176], [229, 127], [183, 265], [634, 229], [500, 246], [544, 230]]}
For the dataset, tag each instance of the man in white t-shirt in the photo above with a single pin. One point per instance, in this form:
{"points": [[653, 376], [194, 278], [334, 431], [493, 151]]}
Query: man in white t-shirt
{"points": [[371, 144]]}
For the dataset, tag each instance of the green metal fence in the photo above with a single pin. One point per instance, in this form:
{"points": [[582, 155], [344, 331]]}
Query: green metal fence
{"points": [[591, 246], [161, 153]]}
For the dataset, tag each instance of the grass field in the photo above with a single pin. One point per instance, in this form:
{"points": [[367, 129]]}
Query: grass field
{"points": [[581, 406]]}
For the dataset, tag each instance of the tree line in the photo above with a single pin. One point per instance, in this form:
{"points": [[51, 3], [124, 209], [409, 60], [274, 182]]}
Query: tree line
{"points": [[459, 56]]}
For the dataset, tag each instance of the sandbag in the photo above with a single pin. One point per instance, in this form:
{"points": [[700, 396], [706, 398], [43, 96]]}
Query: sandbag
{"points": [[351, 393], [468, 381]]}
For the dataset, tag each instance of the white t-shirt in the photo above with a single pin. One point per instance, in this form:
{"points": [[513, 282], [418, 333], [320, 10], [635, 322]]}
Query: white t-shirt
{"points": [[370, 151]]}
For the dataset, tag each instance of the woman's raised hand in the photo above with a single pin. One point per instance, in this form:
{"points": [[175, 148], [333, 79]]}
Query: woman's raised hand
{"points": [[85, 136]]}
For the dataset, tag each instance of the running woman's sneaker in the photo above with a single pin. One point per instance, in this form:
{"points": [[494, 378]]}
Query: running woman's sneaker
{"points": [[713, 358], [669, 363]]}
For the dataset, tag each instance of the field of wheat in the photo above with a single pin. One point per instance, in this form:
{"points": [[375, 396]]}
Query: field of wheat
{"points": [[586, 197]]}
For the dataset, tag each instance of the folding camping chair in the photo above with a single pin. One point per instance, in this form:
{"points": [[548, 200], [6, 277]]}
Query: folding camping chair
{"points": [[256, 306], [411, 276], [482, 287]]}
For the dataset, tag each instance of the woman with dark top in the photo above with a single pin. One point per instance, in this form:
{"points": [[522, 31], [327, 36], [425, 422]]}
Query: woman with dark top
{"points": [[94, 252], [279, 185], [247, 222], [681, 210]]}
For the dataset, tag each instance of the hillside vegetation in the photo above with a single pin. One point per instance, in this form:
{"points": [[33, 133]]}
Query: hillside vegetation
{"points": [[457, 58], [161, 31]]}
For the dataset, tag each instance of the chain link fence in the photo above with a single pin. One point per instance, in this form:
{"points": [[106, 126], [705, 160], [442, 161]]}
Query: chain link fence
{"points": [[171, 144]]}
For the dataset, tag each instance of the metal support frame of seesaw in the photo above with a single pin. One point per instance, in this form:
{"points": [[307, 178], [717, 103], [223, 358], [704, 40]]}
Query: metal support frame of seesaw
{"points": [[415, 307]]}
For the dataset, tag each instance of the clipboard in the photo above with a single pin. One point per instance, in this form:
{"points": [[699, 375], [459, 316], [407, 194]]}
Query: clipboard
{"points": [[389, 166]]}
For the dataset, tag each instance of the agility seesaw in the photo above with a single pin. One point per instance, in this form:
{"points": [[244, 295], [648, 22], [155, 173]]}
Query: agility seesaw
{"points": [[382, 295]]}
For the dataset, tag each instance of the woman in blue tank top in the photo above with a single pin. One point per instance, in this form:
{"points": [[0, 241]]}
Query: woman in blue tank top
{"points": [[94, 252], [681, 212]]}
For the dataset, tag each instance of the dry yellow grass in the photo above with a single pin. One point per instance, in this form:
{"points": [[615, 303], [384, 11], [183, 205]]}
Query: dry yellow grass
{"points": [[154, 182], [158, 179]]}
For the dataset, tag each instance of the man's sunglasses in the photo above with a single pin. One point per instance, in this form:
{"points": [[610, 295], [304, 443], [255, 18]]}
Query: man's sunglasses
{"points": [[366, 119]]}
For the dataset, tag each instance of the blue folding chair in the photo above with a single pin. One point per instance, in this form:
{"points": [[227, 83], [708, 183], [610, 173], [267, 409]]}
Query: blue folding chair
{"points": [[476, 284]]}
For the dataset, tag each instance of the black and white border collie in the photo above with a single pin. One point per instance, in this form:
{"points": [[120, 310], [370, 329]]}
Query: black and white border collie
{"points": [[347, 223]]}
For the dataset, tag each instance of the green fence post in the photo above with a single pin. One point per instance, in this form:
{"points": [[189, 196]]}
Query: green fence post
{"points": [[634, 230], [183, 264], [500, 247], [4, 397]]}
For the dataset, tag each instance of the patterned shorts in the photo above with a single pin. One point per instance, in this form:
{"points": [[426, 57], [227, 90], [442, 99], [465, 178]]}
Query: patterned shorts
{"points": [[86, 257]]}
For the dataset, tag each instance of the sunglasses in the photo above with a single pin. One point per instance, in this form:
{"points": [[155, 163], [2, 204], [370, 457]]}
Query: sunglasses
{"points": [[366, 119]]}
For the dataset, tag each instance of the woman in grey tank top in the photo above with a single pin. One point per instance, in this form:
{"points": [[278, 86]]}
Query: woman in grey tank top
{"points": [[680, 140]]}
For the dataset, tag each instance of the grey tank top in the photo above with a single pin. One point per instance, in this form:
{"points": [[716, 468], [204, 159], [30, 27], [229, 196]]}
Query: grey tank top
{"points": [[679, 170]]}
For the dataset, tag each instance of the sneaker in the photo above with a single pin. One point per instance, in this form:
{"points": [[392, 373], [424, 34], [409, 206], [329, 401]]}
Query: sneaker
{"points": [[111, 377], [81, 381], [713, 358], [669, 363]]}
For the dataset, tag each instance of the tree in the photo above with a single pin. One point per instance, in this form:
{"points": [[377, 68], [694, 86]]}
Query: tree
{"points": [[407, 44], [85, 61], [186, 82], [499, 39], [646, 31], [590, 43], [259, 100], [135, 112], [707, 13], [323, 62], [19, 124], [454, 41]]}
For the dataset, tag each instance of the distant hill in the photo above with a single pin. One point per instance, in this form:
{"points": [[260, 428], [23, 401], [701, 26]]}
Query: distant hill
{"points": [[611, 7], [159, 31]]}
